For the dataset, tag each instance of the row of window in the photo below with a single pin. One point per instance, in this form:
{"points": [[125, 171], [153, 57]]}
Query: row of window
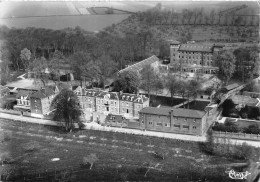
{"points": [[168, 125], [197, 57], [23, 102], [174, 118]]}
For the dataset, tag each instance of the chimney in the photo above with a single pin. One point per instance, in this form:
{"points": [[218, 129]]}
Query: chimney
{"points": [[121, 92]]}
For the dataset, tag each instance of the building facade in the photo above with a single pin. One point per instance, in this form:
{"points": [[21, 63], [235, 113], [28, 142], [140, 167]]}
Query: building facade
{"points": [[174, 120], [105, 102], [41, 101], [193, 57], [23, 100], [131, 104]]}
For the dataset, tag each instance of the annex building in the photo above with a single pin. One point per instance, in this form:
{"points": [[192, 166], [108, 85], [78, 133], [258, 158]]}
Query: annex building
{"points": [[193, 57]]}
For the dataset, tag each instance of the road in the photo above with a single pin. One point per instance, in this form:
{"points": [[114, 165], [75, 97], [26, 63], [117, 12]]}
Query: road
{"points": [[94, 126]]}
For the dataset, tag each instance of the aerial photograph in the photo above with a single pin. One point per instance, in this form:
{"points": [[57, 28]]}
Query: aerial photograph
{"points": [[129, 91]]}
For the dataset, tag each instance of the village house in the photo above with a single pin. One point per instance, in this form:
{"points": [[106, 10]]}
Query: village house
{"points": [[131, 104], [174, 120], [40, 101], [193, 57], [23, 100]]}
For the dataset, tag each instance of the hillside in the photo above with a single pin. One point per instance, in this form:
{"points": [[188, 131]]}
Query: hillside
{"points": [[202, 25]]}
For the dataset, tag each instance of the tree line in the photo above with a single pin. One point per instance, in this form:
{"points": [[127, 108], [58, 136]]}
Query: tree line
{"points": [[241, 64], [77, 47], [151, 81], [198, 16]]}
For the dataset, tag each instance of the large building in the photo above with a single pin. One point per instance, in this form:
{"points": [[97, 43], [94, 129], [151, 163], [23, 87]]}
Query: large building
{"points": [[175, 120], [129, 105], [193, 57]]}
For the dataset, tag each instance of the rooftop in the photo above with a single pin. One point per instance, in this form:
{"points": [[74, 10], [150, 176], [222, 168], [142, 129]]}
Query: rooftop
{"points": [[44, 92], [138, 66], [245, 100], [178, 112], [196, 47]]}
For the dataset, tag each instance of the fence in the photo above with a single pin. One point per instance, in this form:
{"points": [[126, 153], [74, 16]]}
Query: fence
{"points": [[242, 136]]}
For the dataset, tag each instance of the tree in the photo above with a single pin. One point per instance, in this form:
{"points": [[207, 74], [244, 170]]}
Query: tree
{"points": [[107, 67], [158, 83], [227, 106], [147, 79], [225, 61], [253, 128], [182, 89], [55, 63], [128, 82], [92, 158], [66, 108], [212, 16], [38, 66], [193, 89], [171, 84], [164, 50], [25, 57]]}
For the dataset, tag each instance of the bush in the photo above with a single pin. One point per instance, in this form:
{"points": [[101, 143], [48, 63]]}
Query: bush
{"points": [[254, 129], [228, 126]]}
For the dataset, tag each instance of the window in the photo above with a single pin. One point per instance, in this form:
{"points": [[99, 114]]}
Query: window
{"points": [[158, 124], [177, 125], [150, 123], [142, 121], [167, 124], [185, 126], [194, 127]]}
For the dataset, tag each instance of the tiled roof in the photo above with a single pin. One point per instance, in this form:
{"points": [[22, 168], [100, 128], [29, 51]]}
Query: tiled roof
{"points": [[91, 92], [138, 66], [45, 92], [178, 112], [24, 93], [252, 94], [175, 42], [245, 100], [112, 95], [133, 98], [232, 86], [196, 47]]}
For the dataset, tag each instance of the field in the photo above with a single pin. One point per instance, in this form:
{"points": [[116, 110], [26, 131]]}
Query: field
{"points": [[119, 157]]}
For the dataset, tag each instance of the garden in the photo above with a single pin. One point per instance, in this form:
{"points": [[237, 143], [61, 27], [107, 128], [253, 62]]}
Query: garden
{"points": [[32, 152], [232, 126]]}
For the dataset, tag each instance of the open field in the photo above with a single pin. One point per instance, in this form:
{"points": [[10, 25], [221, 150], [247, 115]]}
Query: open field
{"points": [[120, 157]]}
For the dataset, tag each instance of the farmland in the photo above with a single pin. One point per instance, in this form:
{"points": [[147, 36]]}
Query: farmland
{"points": [[119, 156]]}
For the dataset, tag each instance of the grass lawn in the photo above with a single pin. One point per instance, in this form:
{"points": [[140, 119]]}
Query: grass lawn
{"points": [[120, 157]]}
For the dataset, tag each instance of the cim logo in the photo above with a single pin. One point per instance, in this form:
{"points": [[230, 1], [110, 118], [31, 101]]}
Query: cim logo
{"points": [[237, 175]]}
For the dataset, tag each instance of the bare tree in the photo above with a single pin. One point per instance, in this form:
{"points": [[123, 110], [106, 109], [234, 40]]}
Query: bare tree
{"points": [[212, 16], [152, 165], [91, 159]]}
